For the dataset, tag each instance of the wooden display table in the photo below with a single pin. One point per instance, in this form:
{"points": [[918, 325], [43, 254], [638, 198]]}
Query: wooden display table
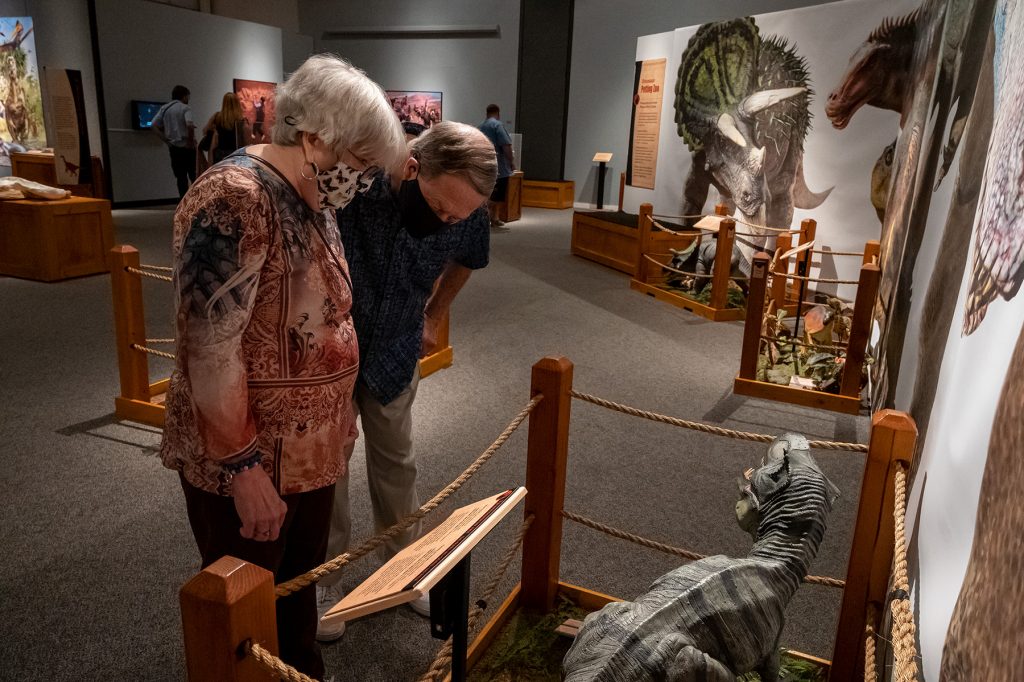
{"points": [[40, 167], [52, 240], [545, 194]]}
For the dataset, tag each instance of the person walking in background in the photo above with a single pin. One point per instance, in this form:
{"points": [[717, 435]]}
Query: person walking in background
{"points": [[412, 242], [499, 137], [260, 107], [259, 407], [228, 129], [174, 125]]}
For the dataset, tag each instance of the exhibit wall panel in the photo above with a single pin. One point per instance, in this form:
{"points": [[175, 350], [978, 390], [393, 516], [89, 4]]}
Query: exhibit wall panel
{"points": [[604, 45], [295, 49], [203, 52], [61, 29], [470, 72]]}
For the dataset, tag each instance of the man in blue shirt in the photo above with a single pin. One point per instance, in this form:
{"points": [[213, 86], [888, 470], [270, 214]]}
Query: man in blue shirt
{"points": [[411, 242], [499, 137]]}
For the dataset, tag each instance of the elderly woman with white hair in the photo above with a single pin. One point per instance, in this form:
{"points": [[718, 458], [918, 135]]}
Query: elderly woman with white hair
{"points": [[259, 409]]}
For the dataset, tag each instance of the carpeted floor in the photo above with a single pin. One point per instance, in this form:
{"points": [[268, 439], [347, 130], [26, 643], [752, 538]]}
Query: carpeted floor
{"points": [[94, 535]]}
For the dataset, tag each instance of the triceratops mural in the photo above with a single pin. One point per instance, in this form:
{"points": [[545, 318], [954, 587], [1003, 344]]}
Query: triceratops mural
{"points": [[742, 107]]}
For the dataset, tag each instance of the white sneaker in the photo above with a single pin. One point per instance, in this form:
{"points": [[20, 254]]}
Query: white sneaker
{"points": [[326, 597], [421, 605]]}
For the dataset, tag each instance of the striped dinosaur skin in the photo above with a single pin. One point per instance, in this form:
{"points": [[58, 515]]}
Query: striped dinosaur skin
{"points": [[719, 617]]}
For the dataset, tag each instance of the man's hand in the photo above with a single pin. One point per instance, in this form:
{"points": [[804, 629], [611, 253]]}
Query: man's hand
{"points": [[258, 505], [429, 335]]}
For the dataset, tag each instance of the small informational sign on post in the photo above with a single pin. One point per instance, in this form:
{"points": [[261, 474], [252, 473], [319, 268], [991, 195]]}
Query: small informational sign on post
{"points": [[412, 572], [645, 130]]}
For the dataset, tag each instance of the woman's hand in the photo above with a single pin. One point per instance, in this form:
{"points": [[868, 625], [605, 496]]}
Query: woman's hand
{"points": [[258, 505]]}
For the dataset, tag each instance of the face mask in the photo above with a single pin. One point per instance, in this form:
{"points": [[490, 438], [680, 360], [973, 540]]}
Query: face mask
{"points": [[418, 218], [338, 185]]}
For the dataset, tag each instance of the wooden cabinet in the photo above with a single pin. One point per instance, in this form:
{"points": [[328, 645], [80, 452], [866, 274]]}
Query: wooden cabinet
{"points": [[40, 168], [512, 208], [53, 240]]}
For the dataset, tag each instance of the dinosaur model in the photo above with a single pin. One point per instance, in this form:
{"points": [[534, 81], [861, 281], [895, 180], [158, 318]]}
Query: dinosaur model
{"points": [[699, 258], [741, 106], [719, 617]]}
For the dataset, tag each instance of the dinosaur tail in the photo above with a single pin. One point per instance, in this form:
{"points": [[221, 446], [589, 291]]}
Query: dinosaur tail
{"points": [[804, 197]]}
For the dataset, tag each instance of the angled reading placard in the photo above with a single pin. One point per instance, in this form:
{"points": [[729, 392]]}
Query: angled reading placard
{"points": [[418, 567]]}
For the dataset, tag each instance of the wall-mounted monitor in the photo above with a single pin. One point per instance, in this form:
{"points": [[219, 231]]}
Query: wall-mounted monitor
{"points": [[143, 113]]}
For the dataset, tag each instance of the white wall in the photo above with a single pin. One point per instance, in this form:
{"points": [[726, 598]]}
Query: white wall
{"points": [[470, 72], [601, 85], [61, 29], [145, 50]]}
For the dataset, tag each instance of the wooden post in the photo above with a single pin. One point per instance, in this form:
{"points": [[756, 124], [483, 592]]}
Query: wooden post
{"points": [[808, 229], [645, 236], [622, 189], [722, 209], [225, 605], [723, 264], [860, 329], [546, 453], [755, 316], [893, 439], [129, 323], [783, 243], [872, 250]]}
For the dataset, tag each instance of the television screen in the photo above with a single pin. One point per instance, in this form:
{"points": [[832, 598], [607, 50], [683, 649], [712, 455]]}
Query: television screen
{"points": [[143, 113]]}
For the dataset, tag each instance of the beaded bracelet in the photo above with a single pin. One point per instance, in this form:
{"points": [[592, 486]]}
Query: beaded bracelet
{"points": [[250, 462]]}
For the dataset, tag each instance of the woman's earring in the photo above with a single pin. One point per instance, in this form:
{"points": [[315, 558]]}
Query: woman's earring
{"points": [[316, 171]]}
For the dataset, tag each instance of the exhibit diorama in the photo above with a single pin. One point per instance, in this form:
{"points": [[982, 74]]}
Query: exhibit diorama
{"points": [[789, 233]]}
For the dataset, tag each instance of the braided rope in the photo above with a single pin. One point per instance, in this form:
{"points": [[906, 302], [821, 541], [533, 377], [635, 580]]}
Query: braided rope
{"points": [[162, 268], [444, 656], [800, 343], [691, 274], [328, 567], [676, 232], [859, 254], [159, 340], [691, 216], [144, 273], [903, 629], [708, 428], [870, 660], [153, 351], [274, 665], [816, 279], [765, 227], [675, 551]]}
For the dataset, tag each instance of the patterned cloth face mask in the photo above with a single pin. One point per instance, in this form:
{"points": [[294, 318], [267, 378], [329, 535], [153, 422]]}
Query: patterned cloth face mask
{"points": [[338, 185]]}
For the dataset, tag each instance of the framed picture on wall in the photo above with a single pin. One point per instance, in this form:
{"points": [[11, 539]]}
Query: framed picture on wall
{"points": [[418, 106], [21, 100], [257, 100]]}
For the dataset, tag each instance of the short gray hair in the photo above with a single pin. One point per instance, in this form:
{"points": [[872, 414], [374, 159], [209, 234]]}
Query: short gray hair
{"points": [[457, 149], [330, 97]]}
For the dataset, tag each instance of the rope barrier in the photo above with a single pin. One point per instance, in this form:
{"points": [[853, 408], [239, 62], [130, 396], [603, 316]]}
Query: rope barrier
{"points": [[765, 227], [444, 656], [163, 278], [698, 216], [328, 567], [274, 665], [153, 351], [162, 268], [870, 661], [708, 428], [859, 254], [815, 279], [159, 340], [794, 342], [676, 232], [903, 628], [675, 551], [692, 274]]}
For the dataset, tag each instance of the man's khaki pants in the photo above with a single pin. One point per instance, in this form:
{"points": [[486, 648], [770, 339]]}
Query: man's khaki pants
{"points": [[390, 473]]}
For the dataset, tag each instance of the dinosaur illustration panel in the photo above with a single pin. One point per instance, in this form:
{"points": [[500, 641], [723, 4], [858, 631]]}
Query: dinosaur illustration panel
{"points": [[257, 100], [21, 101], [745, 122], [417, 106]]}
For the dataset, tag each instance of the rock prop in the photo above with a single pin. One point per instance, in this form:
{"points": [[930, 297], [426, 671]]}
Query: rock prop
{"points": [[719, 617]]}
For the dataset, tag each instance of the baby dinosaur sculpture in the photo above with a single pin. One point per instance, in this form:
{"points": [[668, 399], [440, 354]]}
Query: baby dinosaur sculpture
{"points": [[719, 617]]}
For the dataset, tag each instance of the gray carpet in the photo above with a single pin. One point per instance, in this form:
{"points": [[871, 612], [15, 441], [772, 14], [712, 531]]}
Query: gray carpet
{"points": [[94, 537]]}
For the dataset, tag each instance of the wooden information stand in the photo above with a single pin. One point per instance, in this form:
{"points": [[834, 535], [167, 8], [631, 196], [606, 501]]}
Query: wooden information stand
{"points": [[511, 209], [54, 240]]}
